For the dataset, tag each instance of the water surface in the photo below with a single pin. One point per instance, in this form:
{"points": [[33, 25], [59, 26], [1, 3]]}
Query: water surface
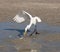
{"points": [[10, 31]]}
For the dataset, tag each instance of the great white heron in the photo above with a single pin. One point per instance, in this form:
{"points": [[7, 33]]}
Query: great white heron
{"points": [[33, 20]]}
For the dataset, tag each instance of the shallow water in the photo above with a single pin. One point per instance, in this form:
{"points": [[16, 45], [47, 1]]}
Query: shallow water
{"points": [[9, 32]]}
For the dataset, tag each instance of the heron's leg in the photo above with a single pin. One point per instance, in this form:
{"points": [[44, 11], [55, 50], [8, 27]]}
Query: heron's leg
{"points": [[36, 30], [25, 33], [33, 31]]}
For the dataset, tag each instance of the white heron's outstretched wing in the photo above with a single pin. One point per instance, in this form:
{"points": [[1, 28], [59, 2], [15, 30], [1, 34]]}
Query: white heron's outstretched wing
{"points": [[22, 17], [19, 19]]}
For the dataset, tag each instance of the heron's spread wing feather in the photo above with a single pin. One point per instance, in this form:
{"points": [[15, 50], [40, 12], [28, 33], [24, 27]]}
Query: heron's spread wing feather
{"points": [[22, 17], [18, 19]]}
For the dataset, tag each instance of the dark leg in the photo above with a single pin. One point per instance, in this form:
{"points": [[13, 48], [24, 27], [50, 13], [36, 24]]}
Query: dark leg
{"points": [[35, 31], [32, 33]]}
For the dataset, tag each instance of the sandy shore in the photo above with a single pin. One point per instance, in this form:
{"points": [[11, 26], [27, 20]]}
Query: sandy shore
{"points": [[27, 44], [47, 10]]}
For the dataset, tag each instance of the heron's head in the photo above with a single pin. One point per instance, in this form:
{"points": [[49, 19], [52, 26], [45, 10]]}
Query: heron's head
{"points": [[38, 19]]}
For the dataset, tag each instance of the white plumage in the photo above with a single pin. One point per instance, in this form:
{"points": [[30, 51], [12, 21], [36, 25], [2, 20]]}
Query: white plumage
{"points": [[18, 19], [33, 20]]}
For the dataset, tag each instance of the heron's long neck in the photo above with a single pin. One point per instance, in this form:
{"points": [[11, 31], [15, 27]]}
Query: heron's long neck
{"points": [[28, 14]]}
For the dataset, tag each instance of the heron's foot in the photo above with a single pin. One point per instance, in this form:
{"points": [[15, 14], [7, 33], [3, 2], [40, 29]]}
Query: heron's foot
{"points": [[37, 33], [30, 35], [25, 33]]}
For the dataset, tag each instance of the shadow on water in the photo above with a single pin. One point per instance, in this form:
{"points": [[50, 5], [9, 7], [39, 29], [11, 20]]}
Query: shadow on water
{"points": [[8, 28], [21, 31]]}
